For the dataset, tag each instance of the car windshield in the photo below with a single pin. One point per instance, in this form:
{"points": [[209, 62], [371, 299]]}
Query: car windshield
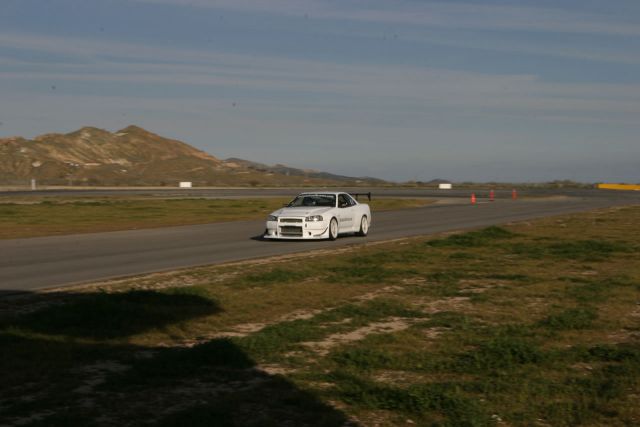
{"points": [[328, 200]]}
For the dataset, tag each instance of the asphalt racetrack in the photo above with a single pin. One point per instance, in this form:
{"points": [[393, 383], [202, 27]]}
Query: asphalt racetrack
{"points": [[46, 262]]}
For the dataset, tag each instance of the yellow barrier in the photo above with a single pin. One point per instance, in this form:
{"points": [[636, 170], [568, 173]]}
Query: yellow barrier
{"points": [[619, 187]]}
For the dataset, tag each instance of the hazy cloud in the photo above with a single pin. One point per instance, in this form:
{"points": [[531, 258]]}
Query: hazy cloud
{"points": [[472, 15]]}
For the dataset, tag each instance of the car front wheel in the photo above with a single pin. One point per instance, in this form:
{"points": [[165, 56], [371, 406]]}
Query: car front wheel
{"points": [[333, 229]]}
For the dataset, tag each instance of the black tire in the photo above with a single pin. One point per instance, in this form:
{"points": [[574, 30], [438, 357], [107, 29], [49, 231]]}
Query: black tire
{"points": [[364, 226], [333, 229]]}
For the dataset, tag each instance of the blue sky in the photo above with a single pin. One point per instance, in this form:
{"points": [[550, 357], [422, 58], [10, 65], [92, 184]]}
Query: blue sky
{"points": [[403, 90]]}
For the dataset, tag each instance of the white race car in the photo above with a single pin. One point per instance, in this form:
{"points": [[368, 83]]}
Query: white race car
{"points": [[322, 215]]}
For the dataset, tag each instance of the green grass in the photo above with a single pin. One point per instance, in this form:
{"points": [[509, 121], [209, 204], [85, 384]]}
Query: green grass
{"points": [[580, 250], [439, 398], [280, 338], [508, 372], [572, 318], [274, 277], [503, 351]]}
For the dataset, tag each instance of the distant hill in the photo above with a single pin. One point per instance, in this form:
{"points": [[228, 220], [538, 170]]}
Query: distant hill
{"points": [[307, 173], [136, 157]]}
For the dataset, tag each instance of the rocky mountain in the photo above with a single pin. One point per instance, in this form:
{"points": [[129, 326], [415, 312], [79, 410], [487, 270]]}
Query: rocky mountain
{"points": [[306, 173], [135, 157]]}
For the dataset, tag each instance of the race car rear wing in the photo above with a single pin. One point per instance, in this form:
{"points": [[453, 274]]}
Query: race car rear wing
{"points": [[361, 194]]}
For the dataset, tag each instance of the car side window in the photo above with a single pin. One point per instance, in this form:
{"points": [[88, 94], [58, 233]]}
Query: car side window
{"points": [[342, 201], [350, 200]]}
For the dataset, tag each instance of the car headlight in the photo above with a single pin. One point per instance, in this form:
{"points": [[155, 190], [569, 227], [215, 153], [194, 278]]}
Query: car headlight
{"points": [[272, 218], [314, 218]]}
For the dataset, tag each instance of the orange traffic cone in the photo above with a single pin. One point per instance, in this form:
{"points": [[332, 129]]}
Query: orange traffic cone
{"points": [[473, 198], [514, 194], [492, 196]]}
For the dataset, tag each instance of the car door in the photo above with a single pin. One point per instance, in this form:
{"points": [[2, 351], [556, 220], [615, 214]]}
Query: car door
{"points": [[346, 213]]}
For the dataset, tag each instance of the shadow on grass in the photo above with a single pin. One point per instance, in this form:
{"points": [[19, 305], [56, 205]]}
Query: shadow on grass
{"points": [[10, 293], [72, 363], [473, 239], [104, 316]]}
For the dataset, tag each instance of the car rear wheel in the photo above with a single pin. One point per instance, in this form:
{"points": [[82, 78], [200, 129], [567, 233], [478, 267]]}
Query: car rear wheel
{"points": [[333, 229], [364, 226]]}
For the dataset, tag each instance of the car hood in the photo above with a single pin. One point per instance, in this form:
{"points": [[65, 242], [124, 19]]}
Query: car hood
{"points": [[301, 211]]}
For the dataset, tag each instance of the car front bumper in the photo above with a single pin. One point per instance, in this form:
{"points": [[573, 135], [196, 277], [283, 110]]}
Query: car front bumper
{"points": [[296, 229]]}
